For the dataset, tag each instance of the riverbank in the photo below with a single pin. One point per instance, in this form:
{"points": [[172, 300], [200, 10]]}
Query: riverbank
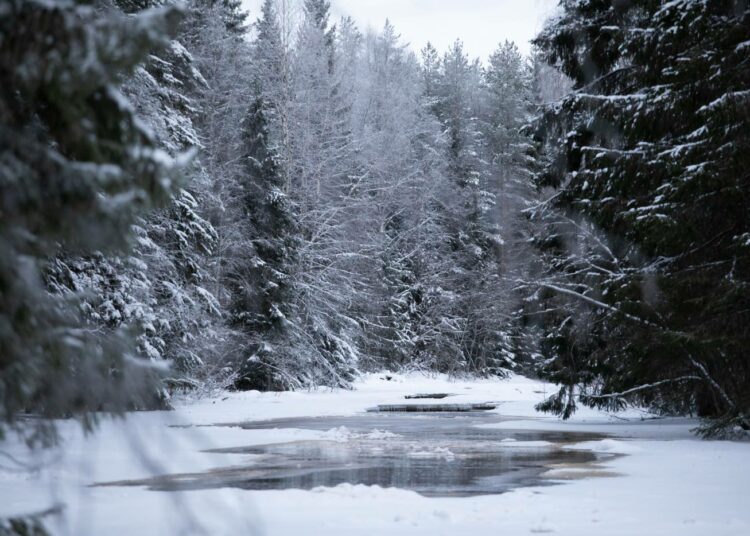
{"points": [[662, 481]]}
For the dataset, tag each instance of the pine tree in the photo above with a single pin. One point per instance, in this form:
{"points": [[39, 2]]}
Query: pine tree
{"points": [[76, 168], [653, 150], [462, 197]]}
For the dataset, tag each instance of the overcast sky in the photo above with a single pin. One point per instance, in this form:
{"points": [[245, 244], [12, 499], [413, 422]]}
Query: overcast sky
{"points": [[481, 24]]}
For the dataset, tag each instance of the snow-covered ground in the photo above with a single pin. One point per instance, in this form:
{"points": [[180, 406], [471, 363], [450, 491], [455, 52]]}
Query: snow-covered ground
{"points": [[667, 481]]}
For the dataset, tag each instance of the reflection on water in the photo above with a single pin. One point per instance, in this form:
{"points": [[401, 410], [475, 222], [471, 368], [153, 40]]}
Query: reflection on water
{"points": [[435, 455]]}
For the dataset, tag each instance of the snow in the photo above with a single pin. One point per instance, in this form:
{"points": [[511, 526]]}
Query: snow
{"points": [[608, 445], [437, 452], [656, 478], [732, 97], [342, 435]]}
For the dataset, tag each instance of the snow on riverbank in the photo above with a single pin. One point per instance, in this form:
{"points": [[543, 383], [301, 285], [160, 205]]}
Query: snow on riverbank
{"points": [[666, 481]]}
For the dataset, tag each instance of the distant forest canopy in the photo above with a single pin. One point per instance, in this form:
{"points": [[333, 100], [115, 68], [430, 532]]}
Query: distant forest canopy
{"points": [[194, 199]]}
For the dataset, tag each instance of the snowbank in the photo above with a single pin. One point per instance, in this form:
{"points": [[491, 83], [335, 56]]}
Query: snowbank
{"points": [[669, 482]]}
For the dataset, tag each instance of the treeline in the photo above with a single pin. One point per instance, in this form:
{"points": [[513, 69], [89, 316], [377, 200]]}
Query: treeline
{"points": [[293, 201], [285, 202]]}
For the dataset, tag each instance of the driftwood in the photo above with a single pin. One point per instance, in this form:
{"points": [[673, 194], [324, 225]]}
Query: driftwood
{"points": [[436, 396], [430, 408]]}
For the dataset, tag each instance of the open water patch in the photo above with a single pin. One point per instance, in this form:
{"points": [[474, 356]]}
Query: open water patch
{"points": [[435, 454]]}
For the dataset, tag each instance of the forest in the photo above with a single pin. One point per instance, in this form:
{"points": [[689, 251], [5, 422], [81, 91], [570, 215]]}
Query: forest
{"points": [[195, 199]]}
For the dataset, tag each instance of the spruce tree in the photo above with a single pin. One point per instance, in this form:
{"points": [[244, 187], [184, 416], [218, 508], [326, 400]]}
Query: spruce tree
{"points": [[511, 155], [652, 148], [231, 12], [160, 289], [482, 112], [458, 108], [76, 168], [262, 283], [271, 63]]}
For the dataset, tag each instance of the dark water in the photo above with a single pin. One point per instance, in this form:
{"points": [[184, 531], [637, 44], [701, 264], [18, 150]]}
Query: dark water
{"points": [[434, 454]]}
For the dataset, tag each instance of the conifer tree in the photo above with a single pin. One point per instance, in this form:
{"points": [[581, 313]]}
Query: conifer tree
{"points": [[482, 112], [270, 56], [76, 168], [653, 150], [160, 290], [272, 65], [231, 13], [263, 286]]}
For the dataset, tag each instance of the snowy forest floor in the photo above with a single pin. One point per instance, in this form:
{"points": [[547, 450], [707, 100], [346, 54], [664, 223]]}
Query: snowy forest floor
{"points": [[656, 477]]}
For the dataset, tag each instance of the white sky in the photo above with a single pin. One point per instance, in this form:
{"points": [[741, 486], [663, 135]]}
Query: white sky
{"points": [[481, 24]]}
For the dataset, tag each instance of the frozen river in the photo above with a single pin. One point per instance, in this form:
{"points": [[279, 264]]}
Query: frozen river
{"points": [[434, 454]]}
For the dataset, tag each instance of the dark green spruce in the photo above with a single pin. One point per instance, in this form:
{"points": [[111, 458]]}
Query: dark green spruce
{"points": [[648, 236], [262, 293]]}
